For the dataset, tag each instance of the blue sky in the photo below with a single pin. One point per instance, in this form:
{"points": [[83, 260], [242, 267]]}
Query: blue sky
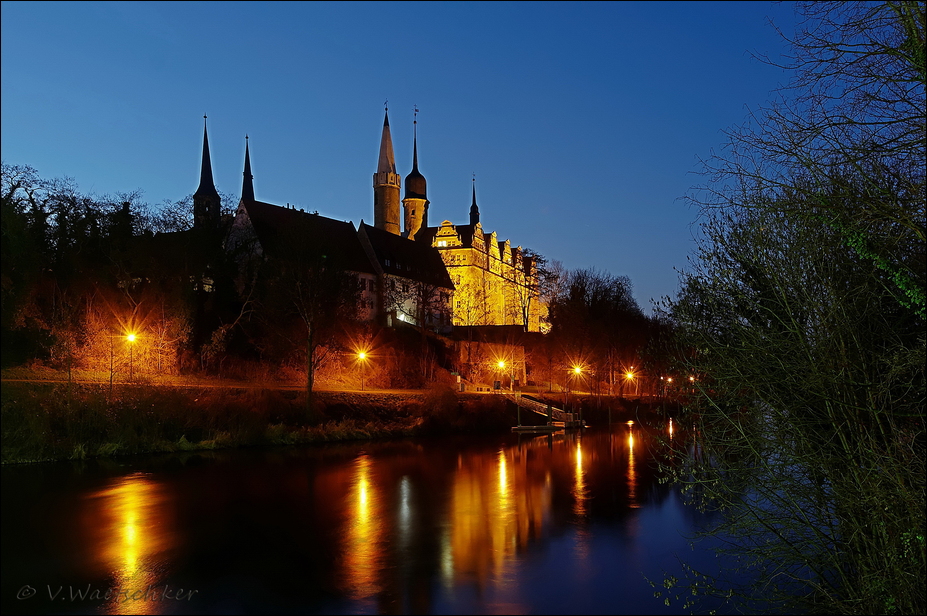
{"points": [[583, 122]]}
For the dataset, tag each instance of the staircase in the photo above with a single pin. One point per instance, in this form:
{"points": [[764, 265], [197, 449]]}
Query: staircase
{"points": [[557, 416]]}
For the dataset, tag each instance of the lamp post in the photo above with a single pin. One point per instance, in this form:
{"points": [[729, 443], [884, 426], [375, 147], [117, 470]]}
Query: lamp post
{"points": [[629, 375], [577, 371], [362, 357], [111, 353], [130, 338]]}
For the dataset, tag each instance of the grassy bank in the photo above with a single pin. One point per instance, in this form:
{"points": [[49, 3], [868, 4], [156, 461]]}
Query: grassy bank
{"points": [[54, 421]]}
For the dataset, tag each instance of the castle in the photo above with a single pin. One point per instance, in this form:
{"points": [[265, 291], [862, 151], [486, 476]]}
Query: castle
{"points": [[431, 276]]}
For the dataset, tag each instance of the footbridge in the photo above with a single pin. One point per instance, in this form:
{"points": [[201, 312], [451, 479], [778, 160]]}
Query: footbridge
{"points": [[555, 417]]}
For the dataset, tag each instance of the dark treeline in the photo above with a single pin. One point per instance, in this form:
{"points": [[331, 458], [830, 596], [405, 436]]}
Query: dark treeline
{"points": [[78, 275], [600, 340], [81, 273]]}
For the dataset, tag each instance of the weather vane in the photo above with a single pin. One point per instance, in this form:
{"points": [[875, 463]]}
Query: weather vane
{"points": [[414, 114], [386, 105]]}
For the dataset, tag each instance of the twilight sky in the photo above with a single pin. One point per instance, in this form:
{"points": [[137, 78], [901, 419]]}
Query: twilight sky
{"points": [[583, 122]]}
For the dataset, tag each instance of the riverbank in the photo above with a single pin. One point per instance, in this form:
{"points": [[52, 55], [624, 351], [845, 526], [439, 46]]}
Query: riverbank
{"points": [[59, 421]]}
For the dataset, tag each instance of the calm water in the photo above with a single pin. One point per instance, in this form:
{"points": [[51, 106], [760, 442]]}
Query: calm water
{"points": [[568, 524]]}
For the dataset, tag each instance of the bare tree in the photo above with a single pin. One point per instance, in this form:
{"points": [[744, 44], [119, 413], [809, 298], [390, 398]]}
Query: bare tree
{"points": [[802, 319]]}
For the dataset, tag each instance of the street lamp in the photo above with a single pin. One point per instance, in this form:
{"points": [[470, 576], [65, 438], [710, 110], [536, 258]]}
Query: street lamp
{"points": [[575, 372], [501, 365], [630, 376], [130, 338], [362, 357]]}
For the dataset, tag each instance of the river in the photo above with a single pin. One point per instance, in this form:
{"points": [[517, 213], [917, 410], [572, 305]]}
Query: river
{"points": [[572, 523]]}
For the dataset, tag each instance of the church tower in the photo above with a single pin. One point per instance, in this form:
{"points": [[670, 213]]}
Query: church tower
{"points": [[247, 181], [415, 203], [206, 197], [386, 185]]}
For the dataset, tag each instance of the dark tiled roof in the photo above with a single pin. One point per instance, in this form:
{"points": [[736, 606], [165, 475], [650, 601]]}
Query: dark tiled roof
{"points": [[414, 260], [426, 235], [286, 233]]}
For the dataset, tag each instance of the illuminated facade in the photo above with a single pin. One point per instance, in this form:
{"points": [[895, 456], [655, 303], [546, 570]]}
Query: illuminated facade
{"points": [[408, 271], [494, 283]]}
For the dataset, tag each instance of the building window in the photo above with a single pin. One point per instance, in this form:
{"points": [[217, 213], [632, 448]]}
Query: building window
{"points": [[442, 243]]}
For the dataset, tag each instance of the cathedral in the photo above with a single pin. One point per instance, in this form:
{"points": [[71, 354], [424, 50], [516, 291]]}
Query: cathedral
{"points": [[433, 276]]}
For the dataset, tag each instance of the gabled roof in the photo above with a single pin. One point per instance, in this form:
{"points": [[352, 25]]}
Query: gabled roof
{"points": [[426, 235], [288, 234], [405, 258]]}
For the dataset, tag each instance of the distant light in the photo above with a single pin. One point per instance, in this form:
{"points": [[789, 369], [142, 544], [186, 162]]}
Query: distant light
{"points": [[577, 370], [691, 378], [501, 364], [131, 337], [361, 355], [669, 380], [629, 375]]}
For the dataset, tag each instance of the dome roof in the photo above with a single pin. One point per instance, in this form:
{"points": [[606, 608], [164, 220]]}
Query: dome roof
{"points": [[415, 185]]}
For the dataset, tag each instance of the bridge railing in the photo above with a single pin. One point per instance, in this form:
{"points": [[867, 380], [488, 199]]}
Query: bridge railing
{"points": [[540, 408]]}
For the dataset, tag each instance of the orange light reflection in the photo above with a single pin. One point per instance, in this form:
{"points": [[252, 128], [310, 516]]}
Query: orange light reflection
{"points": [[632, 472], [131, 527], [362, 553]]}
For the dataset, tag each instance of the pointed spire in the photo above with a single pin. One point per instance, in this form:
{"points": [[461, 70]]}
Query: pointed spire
{"points": [[207, 187], [416, 187], [387, 162], [474, 209], [247, 183], [386, 185], [415, 139]]}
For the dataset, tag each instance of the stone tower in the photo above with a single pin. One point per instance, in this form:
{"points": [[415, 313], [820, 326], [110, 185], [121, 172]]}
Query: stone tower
{"points": [[386, 185], [415, 202], [206, 198]]}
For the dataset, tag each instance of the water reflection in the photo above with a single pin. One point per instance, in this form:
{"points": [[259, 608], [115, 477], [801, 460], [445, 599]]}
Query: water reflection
{"points": [[550, 524], [632, 469], [130, 528], [362, 550], [579, 483]]}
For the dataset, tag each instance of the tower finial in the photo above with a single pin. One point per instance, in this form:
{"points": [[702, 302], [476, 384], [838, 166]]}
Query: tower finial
{"points": [[386, 105]]}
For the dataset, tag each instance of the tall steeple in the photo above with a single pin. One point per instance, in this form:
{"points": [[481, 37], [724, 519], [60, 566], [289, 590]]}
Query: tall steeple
{"points": [[386, 185], [206, 197], [415, 202], [247, 182], [474, 209]]}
